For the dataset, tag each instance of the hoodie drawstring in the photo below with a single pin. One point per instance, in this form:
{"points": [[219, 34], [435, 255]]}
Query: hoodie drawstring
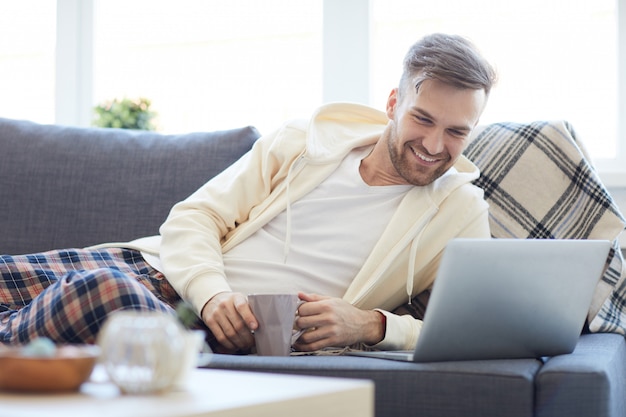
{"points": [[287, 245], [412, 256], [288, 229], [411, 269]]}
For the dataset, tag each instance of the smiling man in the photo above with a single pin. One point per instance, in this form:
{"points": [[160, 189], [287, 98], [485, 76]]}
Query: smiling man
{"points": [[350, 209], [428, 129], [354, 204]]}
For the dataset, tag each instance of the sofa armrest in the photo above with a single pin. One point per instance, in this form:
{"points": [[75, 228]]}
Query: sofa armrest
{"points": [[588, 382]]}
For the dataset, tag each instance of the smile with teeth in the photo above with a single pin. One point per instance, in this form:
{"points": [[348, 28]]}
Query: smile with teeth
{"points": [[423, 157]]}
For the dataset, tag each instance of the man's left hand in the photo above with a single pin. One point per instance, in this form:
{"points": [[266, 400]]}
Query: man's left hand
{"points": [[333, 322]]}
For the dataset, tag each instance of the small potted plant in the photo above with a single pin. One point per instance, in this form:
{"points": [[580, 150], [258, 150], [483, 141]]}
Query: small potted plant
{"points": [[125, 114]]}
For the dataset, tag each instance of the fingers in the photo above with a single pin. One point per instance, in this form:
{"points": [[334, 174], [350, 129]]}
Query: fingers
{"points": [[317, 317], [243, 308], [318, 338], [333, 322], [311, 297], [230, 319]]}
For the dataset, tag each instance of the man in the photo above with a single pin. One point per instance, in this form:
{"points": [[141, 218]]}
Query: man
{"points": [[351, 210]]}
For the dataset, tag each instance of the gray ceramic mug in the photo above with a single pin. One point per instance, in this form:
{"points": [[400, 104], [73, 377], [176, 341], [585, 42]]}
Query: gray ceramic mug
{"points": [[276, 314]]}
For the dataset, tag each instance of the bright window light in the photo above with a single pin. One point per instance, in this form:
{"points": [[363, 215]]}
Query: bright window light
{"points": [[556, 59], [211, 64], [215, 64], [27, 73]]}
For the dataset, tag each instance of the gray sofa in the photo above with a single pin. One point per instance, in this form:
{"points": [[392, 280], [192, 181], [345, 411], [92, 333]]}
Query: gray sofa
{"points": [[72, 187]]}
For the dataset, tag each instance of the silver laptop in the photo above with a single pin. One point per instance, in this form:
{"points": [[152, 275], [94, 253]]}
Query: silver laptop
{"points": [[507, 298]]}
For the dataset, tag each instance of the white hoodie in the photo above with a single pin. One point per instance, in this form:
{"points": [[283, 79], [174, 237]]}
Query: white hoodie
{"points": [[284, 166]]}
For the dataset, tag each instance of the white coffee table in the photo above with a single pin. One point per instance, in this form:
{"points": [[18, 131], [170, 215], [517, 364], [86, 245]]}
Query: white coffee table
{"points": [[207, 392]]}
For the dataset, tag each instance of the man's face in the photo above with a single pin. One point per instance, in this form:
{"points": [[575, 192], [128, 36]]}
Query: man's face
{"points": [[429, 129]]}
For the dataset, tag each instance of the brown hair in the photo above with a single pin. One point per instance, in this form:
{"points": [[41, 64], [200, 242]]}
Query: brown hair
{"points": [[450, 59]]}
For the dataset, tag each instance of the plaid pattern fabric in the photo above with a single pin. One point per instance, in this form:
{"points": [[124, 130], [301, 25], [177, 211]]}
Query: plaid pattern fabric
{"points": [[66, 295], [539, 184]]}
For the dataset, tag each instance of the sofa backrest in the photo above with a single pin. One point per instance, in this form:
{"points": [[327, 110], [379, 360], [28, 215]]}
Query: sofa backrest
{"points": [[67, 187]]}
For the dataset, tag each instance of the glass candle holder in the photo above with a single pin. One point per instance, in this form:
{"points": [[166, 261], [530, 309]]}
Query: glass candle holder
{"points": [[142, 351]]}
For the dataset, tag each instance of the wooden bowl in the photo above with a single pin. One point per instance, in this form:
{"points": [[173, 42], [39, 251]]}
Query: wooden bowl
{"points": [[66, 371]]}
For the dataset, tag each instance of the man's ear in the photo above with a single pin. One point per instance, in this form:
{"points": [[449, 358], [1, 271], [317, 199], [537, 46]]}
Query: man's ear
{"points": [[392, 102]]}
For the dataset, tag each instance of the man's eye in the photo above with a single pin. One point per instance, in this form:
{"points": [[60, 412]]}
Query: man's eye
{"points": [[457, 133]]}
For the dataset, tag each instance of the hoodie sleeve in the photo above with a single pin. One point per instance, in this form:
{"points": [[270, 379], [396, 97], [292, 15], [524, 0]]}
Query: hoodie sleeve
{"points": [[192, 235], [402, 332]]}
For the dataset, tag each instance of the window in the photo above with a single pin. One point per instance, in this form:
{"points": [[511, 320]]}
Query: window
{"points": [[211, 64], [556, 59], [27, 74]]}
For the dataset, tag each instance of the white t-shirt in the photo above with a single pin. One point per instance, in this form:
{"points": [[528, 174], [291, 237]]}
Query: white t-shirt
{"points": [[333, 230]]}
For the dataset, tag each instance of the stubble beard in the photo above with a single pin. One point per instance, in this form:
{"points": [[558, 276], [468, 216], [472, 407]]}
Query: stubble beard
{"points": [[402, 159]]}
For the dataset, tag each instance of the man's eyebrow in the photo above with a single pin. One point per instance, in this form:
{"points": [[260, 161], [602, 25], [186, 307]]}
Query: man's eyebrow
{"points": [[462, 128]]}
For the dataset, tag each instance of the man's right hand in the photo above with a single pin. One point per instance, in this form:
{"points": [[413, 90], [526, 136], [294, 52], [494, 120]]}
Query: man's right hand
{"points": [[231, 321]]}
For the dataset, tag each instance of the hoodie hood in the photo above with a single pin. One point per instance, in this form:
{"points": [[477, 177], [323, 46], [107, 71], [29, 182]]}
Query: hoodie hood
{"points": [[335, 129]]}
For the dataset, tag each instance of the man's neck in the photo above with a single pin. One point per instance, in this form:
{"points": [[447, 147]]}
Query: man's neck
{"points": [[376, 168]]}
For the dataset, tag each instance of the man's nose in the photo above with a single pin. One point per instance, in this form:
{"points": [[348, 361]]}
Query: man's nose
{"points": [[433, 142]]}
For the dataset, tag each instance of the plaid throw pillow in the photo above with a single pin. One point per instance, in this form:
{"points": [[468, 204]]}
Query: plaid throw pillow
{"points": [[539, 183]]}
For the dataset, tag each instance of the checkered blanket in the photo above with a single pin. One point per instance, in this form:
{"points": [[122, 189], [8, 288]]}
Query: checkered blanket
{"points": [[539, 183]]}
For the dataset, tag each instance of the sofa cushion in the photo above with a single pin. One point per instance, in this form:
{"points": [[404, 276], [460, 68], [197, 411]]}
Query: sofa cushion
{"points": [[539, 183], [589, 382], [73, 187], [472, 388]]}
